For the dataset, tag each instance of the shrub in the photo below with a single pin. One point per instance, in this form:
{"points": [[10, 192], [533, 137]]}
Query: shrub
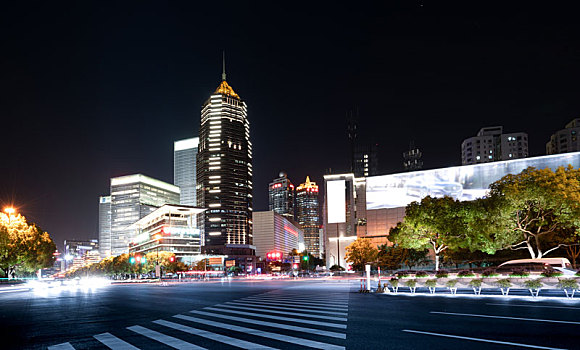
{"points": [[403, 274], [421, 274], [431, 283], [504, 283], [533, 284], [552, 273], [394, 282], [411, 283], [568, 283], [442, 274], [451, 283], [465, 273], [519, 273], [476, 282], [489, 273], [578, 273]]}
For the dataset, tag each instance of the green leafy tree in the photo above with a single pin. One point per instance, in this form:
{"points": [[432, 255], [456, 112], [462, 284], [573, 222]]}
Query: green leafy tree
{"points": [[394, 257], [537, 205], [361, 252], [434, 223]]}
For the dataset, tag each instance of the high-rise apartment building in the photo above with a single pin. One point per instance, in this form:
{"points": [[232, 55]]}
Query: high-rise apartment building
{"points": [[281, 195], [307, 215], [132, 198], [184, 169], [224, 171], [565, 140], [365, 160], [491, 145], [412, 158], [105, 226]]}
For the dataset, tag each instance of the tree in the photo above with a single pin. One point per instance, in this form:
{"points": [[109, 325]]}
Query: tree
{"points": [[393, 257], [361, 252], [23, 246], [537, 204], [434, 223]]}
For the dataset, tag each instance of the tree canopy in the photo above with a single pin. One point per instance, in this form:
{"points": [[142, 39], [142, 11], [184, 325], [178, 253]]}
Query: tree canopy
{"points": [[361, 252]]}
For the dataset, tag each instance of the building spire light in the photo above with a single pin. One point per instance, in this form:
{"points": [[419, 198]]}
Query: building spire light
{"points": [[224, 65]]}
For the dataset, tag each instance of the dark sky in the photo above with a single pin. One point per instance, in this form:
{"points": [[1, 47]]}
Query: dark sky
{"points": [[91, 90]]}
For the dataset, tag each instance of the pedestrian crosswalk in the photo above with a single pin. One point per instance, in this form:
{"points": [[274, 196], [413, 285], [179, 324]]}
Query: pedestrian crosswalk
{"points": [[278, 319]]}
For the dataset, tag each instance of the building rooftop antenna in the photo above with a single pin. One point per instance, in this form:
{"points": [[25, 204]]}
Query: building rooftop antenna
{"points": [[224, 65]]}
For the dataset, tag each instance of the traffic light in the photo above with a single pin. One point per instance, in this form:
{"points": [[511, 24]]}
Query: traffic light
{"points": [[132, 260], [171, 259], [305, 258], [143, 260]]}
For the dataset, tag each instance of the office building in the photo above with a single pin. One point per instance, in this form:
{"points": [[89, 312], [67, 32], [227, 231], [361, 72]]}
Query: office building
{"points": [[184, 169], [308, 215], [281, 195], [492, 145], [365, 160], [275, 232], [412, 158], [565, 140], [171, 228], [224, 172], [79, 253], [132, 198], [369, 207], [105, 226]]}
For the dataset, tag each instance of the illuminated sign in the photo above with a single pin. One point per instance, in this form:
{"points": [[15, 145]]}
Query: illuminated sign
{"points": [[335, 191], [464, 183]]}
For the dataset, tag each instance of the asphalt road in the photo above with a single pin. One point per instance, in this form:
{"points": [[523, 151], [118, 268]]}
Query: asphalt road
{"points": [[278, 314]]}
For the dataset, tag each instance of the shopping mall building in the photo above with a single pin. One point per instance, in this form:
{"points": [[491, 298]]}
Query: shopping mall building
{"points": [[368, 207]]}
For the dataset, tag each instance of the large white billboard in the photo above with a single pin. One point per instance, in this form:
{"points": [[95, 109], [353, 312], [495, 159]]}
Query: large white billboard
{"points": [[467, 182], [336, 199]]}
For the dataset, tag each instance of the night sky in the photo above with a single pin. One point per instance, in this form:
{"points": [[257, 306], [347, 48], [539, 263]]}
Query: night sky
{"points": [[91, 90]]}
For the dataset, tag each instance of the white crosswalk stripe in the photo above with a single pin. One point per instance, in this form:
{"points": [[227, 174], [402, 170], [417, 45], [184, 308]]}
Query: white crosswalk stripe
{"points": [[304, 319], [288, 313], [272, 324], [259, 333], [214, 336], [279, 318], [288, 307], [164, 339], [113, 342]]}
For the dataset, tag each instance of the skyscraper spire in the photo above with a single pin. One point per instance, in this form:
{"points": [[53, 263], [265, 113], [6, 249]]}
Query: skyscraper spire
{"points": [[224, 66]]}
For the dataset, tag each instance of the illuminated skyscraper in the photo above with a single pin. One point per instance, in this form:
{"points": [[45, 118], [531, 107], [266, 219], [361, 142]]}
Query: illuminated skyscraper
{"points": [[224, 172], [105, 226], [281, 196], [184, 169], [307, 215]]}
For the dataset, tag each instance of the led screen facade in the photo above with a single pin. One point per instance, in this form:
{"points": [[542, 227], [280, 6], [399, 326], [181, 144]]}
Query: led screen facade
{"points": [[467, 182], [336, 195]]}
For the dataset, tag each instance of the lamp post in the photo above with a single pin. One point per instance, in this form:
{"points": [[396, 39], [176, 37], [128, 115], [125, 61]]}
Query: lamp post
{"points": [[157, 237]]}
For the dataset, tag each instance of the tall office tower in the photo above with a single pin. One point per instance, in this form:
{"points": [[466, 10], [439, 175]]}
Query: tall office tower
{"points": [[105, 226], [565, 140], [365, 160], [224, 172], [491, 145], [184, 169], [412, 158], [281, 195], [133, 197], [307, 215]]}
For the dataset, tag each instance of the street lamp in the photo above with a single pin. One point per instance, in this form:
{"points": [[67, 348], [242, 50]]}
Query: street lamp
{"points": [[9, 212], [157, 237]]}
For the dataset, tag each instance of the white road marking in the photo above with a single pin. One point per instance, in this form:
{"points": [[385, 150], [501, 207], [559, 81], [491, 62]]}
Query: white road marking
{"points": [[481, 340], [213, 336], [298, 300], [322, 317], [259, 333], [63, 346], [285, 303], [273, 324], [544, 306], [293, 308], [165, 339], [504, 317], [300, 320], [113, 342]]}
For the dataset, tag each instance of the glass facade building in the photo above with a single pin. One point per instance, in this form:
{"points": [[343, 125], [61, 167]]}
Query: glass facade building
{"points": [[185, 169], [132, 198], [224, 171], [105, 226], [273, 231], [307, 215], [171, 228], [281, 196]]}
